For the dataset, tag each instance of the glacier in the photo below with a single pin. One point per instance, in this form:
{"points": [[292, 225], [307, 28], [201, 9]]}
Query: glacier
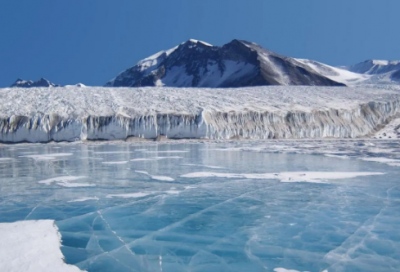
{"points": [[100, 113]]}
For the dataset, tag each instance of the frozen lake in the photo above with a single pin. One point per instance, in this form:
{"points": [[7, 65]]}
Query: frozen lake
{"points": [[310, 206]]}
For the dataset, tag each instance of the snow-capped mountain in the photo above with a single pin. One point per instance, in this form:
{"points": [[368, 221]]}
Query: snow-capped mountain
{"points": [[380, 71], [336, 74], [236, 64], [19, 83], [374, 67]]}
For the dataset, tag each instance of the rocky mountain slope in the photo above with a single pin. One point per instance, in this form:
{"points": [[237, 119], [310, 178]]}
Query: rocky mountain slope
{"points": [[19, 83], [236, 64], [379, 71]]}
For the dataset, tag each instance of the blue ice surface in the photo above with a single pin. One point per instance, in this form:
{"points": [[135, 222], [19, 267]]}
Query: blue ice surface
{"points": [[204, 224]]}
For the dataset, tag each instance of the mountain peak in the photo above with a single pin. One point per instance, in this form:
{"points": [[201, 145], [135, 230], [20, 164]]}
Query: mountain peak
{"points": [[238, 63], [193, 41], [42, 82], [375, 67]]}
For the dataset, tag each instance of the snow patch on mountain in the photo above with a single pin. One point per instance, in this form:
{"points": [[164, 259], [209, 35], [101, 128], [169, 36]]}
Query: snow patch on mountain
{"points": [[374, 67], [337, 74]]}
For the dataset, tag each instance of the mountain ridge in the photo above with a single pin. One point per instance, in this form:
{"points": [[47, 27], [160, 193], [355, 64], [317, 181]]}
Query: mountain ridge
{"points": [[239, 63], [236, 64], [42, 82]]}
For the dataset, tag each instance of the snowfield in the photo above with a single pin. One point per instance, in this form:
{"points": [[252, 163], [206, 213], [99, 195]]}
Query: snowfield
{"points": [[97, 113]]}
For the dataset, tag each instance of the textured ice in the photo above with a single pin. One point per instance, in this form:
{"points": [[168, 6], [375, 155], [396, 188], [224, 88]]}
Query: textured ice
{"points": [[94, 113], [247, 221]]}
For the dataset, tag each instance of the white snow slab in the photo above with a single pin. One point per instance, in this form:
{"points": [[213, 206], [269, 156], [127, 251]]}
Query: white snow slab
{"points": [[312, 177], [32, 246]]}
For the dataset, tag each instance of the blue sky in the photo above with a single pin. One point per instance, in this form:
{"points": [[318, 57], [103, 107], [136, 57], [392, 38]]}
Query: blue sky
{"points": [[91, 41]]}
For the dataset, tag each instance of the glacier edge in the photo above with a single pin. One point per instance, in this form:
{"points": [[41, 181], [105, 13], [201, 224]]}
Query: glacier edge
{"points": [[205, 120]]}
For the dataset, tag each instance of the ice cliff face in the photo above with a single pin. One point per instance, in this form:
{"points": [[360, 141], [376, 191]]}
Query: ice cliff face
{"points": [[70, 114], [19, 83], [236, 64]]}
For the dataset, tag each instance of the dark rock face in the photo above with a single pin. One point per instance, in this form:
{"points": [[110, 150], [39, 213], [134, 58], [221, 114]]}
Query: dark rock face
{"points": [[396, 76], [236, 64], [19, 83]]}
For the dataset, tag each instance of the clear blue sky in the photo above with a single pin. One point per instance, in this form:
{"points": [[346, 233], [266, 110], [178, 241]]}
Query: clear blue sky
{"points": [[91, 41]]}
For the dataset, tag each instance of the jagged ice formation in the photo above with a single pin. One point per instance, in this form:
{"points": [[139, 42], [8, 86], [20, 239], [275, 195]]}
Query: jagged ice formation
{"points": [[96, 113]]}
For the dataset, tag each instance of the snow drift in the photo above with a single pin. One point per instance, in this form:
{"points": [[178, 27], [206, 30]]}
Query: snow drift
{"points": [[72, 114]]}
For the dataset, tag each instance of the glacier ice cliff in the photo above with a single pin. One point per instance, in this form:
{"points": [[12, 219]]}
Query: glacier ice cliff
{"points": [[97, 113]]}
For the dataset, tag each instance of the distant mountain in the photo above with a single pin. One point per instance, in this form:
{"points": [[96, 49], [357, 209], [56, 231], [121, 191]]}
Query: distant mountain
{"points": [[19, 83], [374, 67], [335, 73], [236, 64], [381, 71]]}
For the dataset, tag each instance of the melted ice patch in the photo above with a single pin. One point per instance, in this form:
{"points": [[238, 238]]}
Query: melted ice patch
{"points": [[312, 177], [133, 195], [32, 246]]}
